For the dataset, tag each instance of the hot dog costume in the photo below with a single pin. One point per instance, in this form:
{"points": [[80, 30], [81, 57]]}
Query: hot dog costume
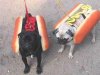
{"points": [[83, 18], [30, 26]]}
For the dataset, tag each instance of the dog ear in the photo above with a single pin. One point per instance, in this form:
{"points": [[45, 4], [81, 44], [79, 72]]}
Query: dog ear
{"points": [[20, 35], [70, 33], [55, 31]]}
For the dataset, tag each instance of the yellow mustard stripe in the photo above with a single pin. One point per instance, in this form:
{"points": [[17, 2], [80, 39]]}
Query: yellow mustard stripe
{"points": [[76, 16], [71, 13], [81, 25]]}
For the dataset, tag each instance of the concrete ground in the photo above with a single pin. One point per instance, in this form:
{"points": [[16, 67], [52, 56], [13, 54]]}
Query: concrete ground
{"points": [[86, 59]]}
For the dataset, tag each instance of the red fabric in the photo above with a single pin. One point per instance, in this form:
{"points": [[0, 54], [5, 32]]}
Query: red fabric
{"points": [[30, 24]]}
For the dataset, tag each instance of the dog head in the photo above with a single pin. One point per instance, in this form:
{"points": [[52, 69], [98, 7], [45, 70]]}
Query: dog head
{"points": [[27, 40], [63, 34]]}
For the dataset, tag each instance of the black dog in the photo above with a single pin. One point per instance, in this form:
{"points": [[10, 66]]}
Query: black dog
{"points": [[30, 44]]}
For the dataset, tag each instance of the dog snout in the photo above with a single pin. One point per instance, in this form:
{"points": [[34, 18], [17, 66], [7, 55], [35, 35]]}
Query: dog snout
{"points": [[61, 40]]}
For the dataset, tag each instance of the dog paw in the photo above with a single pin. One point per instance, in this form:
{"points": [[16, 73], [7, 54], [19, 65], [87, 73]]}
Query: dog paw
{"points": [[60, 51], [39, 70], [70, 56], [93, 40], [26, 70]]}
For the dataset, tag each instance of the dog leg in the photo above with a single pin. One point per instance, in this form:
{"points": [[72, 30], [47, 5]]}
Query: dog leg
{"points": [[71, 50], [93, 35], [27, 67], [39, 68], [61, 49]]}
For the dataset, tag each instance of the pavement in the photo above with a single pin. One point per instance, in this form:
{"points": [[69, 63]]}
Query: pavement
{"points": [[86, 59]]}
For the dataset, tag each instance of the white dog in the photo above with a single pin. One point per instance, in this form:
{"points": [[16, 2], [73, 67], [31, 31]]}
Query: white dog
{"points": [[65, 34]]}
